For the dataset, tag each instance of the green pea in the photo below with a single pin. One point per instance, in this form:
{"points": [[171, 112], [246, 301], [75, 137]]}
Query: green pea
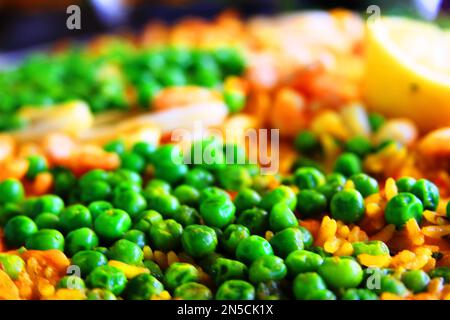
{"points": [[329, 190], [256, 220], [187, 195], [132, 161], [45, 239], [126, 251], [173, 173], [234, 99], [136, 236], [81, 239], [341, 273], [112, 224], [348, 164], [193, 291], [116, 146], [100, 294], [88, 260], [305, 283], [11, 190], [441, 272], [47, 221], [311, 203], [392, 285], [71, 282], [36, 165], [307, 236], [144, 149], [158, 184], [300, 261], [308, 178], [365, 184], [213, 192], [107, 277], [92, 176], [359, 294], [97, 207], [287, 241], [416, 280], [47, 203], [402, 207], [165, 235], [279, 194], [269, 290], [267, 268], [373, 248], [12, 264], [94, 191], [146, 219], [251, 248], [75, 217], [358, 145], [376, 121], [154, 268], [226, 269], [186, 216], [427, 192], [235, 290], [232, 235], [217, 212], [198, 240], [179, 273], [281, 217], [131, 202], [18, 230], [234, 177], [348, 206], [199, 178], [10, 210], [323, 294], [163, 203], [123, 175], [246, 199], [336, 178], [307, 142], [405, 184]]}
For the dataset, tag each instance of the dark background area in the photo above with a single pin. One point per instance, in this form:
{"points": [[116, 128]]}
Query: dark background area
{"points": [[29, 23]]}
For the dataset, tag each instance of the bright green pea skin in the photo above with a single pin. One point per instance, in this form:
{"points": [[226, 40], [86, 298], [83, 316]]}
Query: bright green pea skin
{"points": [[231, 237], [127, 252], [112, 224], [88, 260], [186, 216], [145, 220], [405, 184], [136, 236], [323, 294], [100, 294], [311, 203], [107, 277], [116, 146], [416, 280], [301, 261], [94, 191], [374, 248], [12, 264], [154, 268], [158, 184], [47, 221], [18, 230], [187, 195], [329, 189], [199, 178], [307, 142], [277, 195], [126, 186], [143, 287], [347, 206], [179, 273], [165, 235], [287, 241], [131, 202], [235, 100], [402, 207], [47, 203], [217, 212], [337, 178], [392, 285], [359, 294], [11, 190], [234, 177], [341, 273], [251, 248], [246, 199], [235, 290], [427, 192], [358, 145], [97, 207], [365, 184], [348, 164], [308, 178], [144, 149], [281, 217], [376, 121], [164, 203], [255, 219], [193, 291], [198, 240], [74, 217], [122, 175], [92, 176], [224, 269], [10, 210], [305, 283], [267, 268], [132, 161], [213, 192], [71, 282], [80, 239], [45, 239], [172, 173], [36, 165], [308, 238]]}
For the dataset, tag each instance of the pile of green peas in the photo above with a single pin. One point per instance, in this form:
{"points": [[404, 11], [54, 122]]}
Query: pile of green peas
{"points": [[217, 213], [44, 80]]}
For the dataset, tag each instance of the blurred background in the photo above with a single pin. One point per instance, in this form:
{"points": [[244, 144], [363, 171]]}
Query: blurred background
{"points": [[30, 23]]}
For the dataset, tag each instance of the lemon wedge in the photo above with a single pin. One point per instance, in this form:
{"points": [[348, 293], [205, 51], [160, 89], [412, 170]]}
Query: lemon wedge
{"points": [[407, 71]]}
